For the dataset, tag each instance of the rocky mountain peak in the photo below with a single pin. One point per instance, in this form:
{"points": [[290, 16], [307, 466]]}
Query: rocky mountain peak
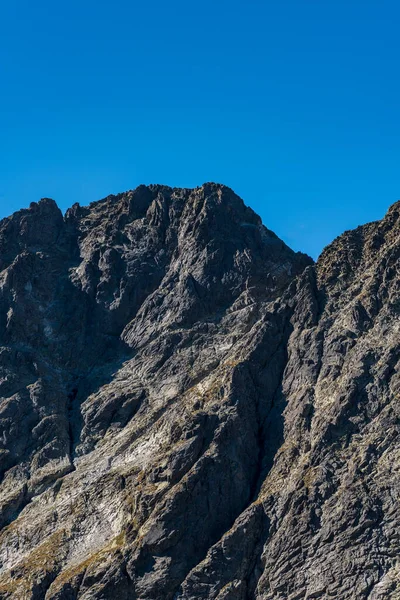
{"points": [[189, 409]]}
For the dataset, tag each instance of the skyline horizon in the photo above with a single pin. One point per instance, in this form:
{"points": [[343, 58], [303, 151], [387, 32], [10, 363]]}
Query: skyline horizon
{"points": [[65, 207], [293, 105]]}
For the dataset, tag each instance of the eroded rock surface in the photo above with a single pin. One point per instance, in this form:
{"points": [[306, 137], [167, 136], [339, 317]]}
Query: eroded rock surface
{"points": [[190, 410]]}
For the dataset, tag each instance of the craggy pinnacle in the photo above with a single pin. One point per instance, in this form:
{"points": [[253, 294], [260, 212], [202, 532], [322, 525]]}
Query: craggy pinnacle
{"points": [[191, 410]]}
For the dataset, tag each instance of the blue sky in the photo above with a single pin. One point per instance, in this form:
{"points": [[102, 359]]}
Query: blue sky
{"points": [[294, 104]]}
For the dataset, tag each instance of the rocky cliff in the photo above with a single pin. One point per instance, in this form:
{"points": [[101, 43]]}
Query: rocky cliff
{"points": [[191, 410]]}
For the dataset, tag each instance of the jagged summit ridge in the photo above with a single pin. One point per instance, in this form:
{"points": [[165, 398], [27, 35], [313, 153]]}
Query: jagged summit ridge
{"points": [[189, 409]]}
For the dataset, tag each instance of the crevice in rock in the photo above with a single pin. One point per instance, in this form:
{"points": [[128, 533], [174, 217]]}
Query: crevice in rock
{"points": [[270, 422]]}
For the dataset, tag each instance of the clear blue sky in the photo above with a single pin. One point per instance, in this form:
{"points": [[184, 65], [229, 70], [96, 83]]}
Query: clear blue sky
{"points": [[293, 103]]}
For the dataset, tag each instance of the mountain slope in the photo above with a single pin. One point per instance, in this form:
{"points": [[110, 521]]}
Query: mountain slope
{"points": [[192, 410]]}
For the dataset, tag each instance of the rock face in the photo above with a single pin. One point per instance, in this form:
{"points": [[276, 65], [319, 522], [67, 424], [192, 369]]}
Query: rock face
{"points": [[191, 410]]}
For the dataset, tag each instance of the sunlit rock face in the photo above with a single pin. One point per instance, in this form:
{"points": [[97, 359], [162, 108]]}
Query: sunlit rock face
{"points": [[189, 409]]}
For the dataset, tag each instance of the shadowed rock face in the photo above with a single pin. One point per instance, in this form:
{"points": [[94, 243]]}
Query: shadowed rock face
{"points": [[189, 409]]}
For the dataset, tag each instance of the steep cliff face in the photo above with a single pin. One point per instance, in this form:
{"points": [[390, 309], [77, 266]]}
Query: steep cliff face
{"points": [[189, 409]]}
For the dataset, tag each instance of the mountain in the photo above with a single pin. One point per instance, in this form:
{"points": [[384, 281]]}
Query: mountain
{"points": [[191, 410]]}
